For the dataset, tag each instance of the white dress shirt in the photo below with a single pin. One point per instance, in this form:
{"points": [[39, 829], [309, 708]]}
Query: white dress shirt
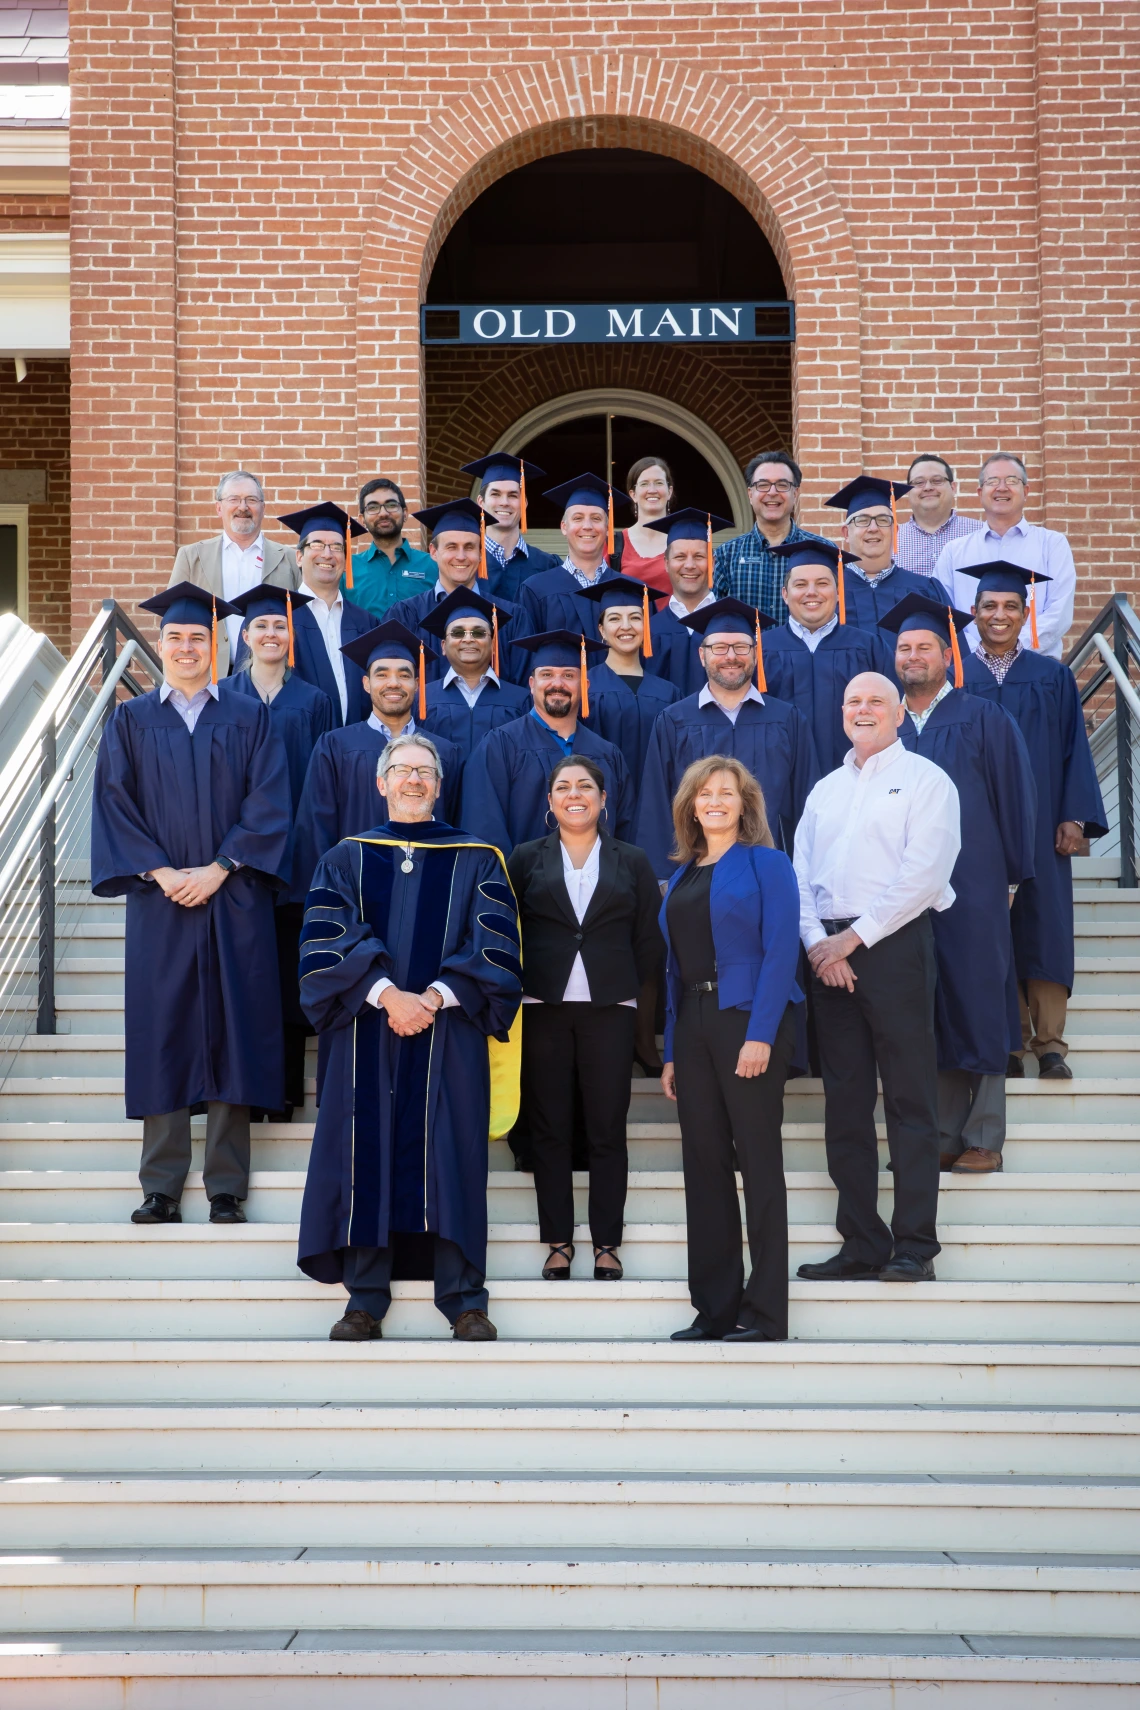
{"points": [[243, 568], [706, 698], [811, 638], [877, 845], [1031, 548], [327, 619], [681, 610], [470, 695], [581, 883]]}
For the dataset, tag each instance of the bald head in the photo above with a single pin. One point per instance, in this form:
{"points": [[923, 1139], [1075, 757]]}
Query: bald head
{"points": [[872, 713]]}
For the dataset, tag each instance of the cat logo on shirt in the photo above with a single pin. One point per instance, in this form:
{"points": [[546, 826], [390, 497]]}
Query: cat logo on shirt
{"points": [[894, 792]]}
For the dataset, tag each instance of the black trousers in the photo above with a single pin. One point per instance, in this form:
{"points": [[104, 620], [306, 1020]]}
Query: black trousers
{"points": [[727, 1121], [588, 1047], [459, 1287], [886, 1022]]}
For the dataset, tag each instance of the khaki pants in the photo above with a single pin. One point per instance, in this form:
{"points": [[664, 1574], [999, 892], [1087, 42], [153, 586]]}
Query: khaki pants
{"points": [[1043, 1006]]}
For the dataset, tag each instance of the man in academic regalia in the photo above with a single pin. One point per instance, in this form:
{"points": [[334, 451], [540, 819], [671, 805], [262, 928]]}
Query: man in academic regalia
{"points": [[875, 582], [553, 600], [190, 821], [811, 659], [688, 556], [624, 699], [328, 620], [983, 752], [506, 780], [300, 715], [409, 968], [339, 798], [511, 559], [1041, 695], [473, 698], [731, 715]]}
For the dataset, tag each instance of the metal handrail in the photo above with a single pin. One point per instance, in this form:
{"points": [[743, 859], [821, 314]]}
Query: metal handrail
{"points": [[1112, 643]]}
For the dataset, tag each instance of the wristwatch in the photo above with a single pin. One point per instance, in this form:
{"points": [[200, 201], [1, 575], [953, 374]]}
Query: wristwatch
{"points": [[225, 863]]}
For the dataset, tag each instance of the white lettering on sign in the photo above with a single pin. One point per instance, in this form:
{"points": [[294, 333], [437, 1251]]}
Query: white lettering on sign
{"points": [[732, 326], [517, 315], [552, 331], [696, 313], [667, 319], [625, 329], [481, 331]]}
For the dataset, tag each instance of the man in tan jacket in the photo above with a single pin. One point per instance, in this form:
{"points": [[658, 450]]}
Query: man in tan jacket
{"points": [[239, 558]]}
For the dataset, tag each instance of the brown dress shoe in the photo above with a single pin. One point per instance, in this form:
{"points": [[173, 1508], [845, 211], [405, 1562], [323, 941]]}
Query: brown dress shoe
{"points": [[356, 1326], [474, 1327], [977, 1162]]}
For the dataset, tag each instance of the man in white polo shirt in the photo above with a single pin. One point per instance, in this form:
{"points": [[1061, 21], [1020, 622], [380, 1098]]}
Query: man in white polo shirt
{"points": [[874, 851]]}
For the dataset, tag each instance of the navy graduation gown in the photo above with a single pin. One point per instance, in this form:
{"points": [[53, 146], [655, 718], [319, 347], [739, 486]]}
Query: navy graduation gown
{"points": [[773, 740], [504, 581], [676, 653], [299, 714], [1041, 695], [625, 716], [411, 614], [311, 659], [202, 1009], [982, 750], [554, 600], [815, 682], [505, 782], [401, 1135], [340, 798], [868, 602], [451, 717]]}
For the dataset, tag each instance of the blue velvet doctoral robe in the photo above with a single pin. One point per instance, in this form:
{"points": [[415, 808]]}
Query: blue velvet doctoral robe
{"points": [[676, 653], [340, 798], [311, 659], [505, 782], [869, 602], [626, 716], [449, 715], [504, 581], [982, 750], [815, 682], [411, 614], [299, 714], [774, 741], [401, 1137], [202, 1008], [1041, 695]]}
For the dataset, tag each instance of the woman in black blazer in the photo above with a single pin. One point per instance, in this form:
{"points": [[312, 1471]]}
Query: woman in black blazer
{"points": [[588, 907]]}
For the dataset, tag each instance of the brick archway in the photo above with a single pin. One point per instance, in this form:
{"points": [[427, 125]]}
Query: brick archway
{"points": [[609, 101]]}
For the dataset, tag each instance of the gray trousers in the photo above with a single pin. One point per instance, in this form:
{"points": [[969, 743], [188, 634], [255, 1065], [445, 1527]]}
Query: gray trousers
{"points": [[166, 1151], [971, 1111]]}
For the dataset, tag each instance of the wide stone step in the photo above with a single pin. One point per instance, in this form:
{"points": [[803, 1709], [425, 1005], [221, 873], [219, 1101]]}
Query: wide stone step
{"points": [[1068, 1442], [528, 1310]]}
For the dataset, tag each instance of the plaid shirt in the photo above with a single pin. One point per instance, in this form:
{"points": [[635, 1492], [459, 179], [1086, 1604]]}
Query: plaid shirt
{"points": [[998, 663], [747, 569], [919, 549]]}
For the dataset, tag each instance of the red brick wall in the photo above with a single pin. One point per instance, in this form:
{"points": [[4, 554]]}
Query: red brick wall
{"points": [[946, 188], [34, 430]]}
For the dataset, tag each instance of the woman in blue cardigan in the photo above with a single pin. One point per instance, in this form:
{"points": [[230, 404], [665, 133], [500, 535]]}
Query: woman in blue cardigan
{"points": [[731, 923]]}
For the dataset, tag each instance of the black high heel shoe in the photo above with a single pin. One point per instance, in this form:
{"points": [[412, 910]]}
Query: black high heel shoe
{"points": [[607, 1273], [652, 1071], [559, 1273]]}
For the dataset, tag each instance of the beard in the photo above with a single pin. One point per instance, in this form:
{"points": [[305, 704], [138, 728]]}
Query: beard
{"points": [[557, 703]]}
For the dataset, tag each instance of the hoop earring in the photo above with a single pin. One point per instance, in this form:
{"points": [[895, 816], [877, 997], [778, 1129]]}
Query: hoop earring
{"points": [[605, 814], [546, 818]]}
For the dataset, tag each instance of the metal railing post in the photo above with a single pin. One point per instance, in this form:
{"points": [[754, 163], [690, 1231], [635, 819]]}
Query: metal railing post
{"points": [[45, 1011], [1125, 794], [110, 640]]}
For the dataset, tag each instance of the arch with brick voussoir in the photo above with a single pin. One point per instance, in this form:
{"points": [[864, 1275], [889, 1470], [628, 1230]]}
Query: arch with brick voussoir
{"points": [[610, 101]]}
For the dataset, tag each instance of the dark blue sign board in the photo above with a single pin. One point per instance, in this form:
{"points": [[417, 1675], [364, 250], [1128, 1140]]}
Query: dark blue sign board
{"points": [[609, 323]]}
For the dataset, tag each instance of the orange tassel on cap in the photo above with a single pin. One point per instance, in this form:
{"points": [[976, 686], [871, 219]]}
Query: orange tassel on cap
{"points": [[646, 638], [423, 686], [957, 653], [495, 640], [482, 544], [610, 523], [585, 684], [894, 524], [842, 590], [289, 621], [761, 680], [708, 550], [522, 498], [214, 642], [348, 555], [1033, 611]]}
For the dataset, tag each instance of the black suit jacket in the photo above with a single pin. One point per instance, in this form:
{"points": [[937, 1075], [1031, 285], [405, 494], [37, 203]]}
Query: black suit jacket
{"points": [[619, 938]]}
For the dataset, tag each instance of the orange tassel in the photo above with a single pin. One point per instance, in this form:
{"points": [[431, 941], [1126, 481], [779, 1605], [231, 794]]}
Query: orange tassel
{"points": [[289, 621], [895, 527], [646, 638], [214, 642], [348, 556], [495, 640], [1033, 612], [610, 524], [761, 680], [522, 498], [842, 590], [708, 550], [423, 686], [585, 684], [482, 544], [957, 652]]}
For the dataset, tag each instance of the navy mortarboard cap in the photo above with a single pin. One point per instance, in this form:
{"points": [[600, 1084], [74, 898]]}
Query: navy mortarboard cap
{"points": [[867, 490], [186, 602], [389, 640], [586, 490], [268, 600], [625, 591], [800, 553], [325, 516], [915, 611], [558, 647], [1001, 577], [689, 524], [454, 516], [466, 603], [728, 617], [503, 466]]}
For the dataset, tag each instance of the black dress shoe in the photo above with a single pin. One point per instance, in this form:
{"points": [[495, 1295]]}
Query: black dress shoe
{"points": [[1053, 1067], [743, 1333], [356, 1326], [905, 1267], [1014, 1068], [694, 1333], [839, 1269], [157, 1208], [224, 1208]]}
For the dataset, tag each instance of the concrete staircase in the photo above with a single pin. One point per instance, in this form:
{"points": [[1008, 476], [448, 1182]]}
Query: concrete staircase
{"points": [[930, 1496]]}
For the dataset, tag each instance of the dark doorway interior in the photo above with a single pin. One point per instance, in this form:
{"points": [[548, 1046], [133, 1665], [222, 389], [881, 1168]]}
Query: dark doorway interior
{"points": [[575, 446], [9, 568], [600, 224]]}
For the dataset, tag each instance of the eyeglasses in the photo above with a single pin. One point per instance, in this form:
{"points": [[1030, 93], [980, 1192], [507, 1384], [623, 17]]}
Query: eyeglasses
{"points": [[392, 506], [1002, 481], [930, 481], [318, 547], [722, 649], [882, 520], [771, 486], [424, 773], [479, 632]]}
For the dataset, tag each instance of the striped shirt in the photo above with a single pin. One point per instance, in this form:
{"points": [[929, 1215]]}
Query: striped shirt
{"points": [[919, 549]]}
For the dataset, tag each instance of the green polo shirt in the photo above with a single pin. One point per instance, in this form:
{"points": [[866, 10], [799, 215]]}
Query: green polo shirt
{"points": [[378, 582]]}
